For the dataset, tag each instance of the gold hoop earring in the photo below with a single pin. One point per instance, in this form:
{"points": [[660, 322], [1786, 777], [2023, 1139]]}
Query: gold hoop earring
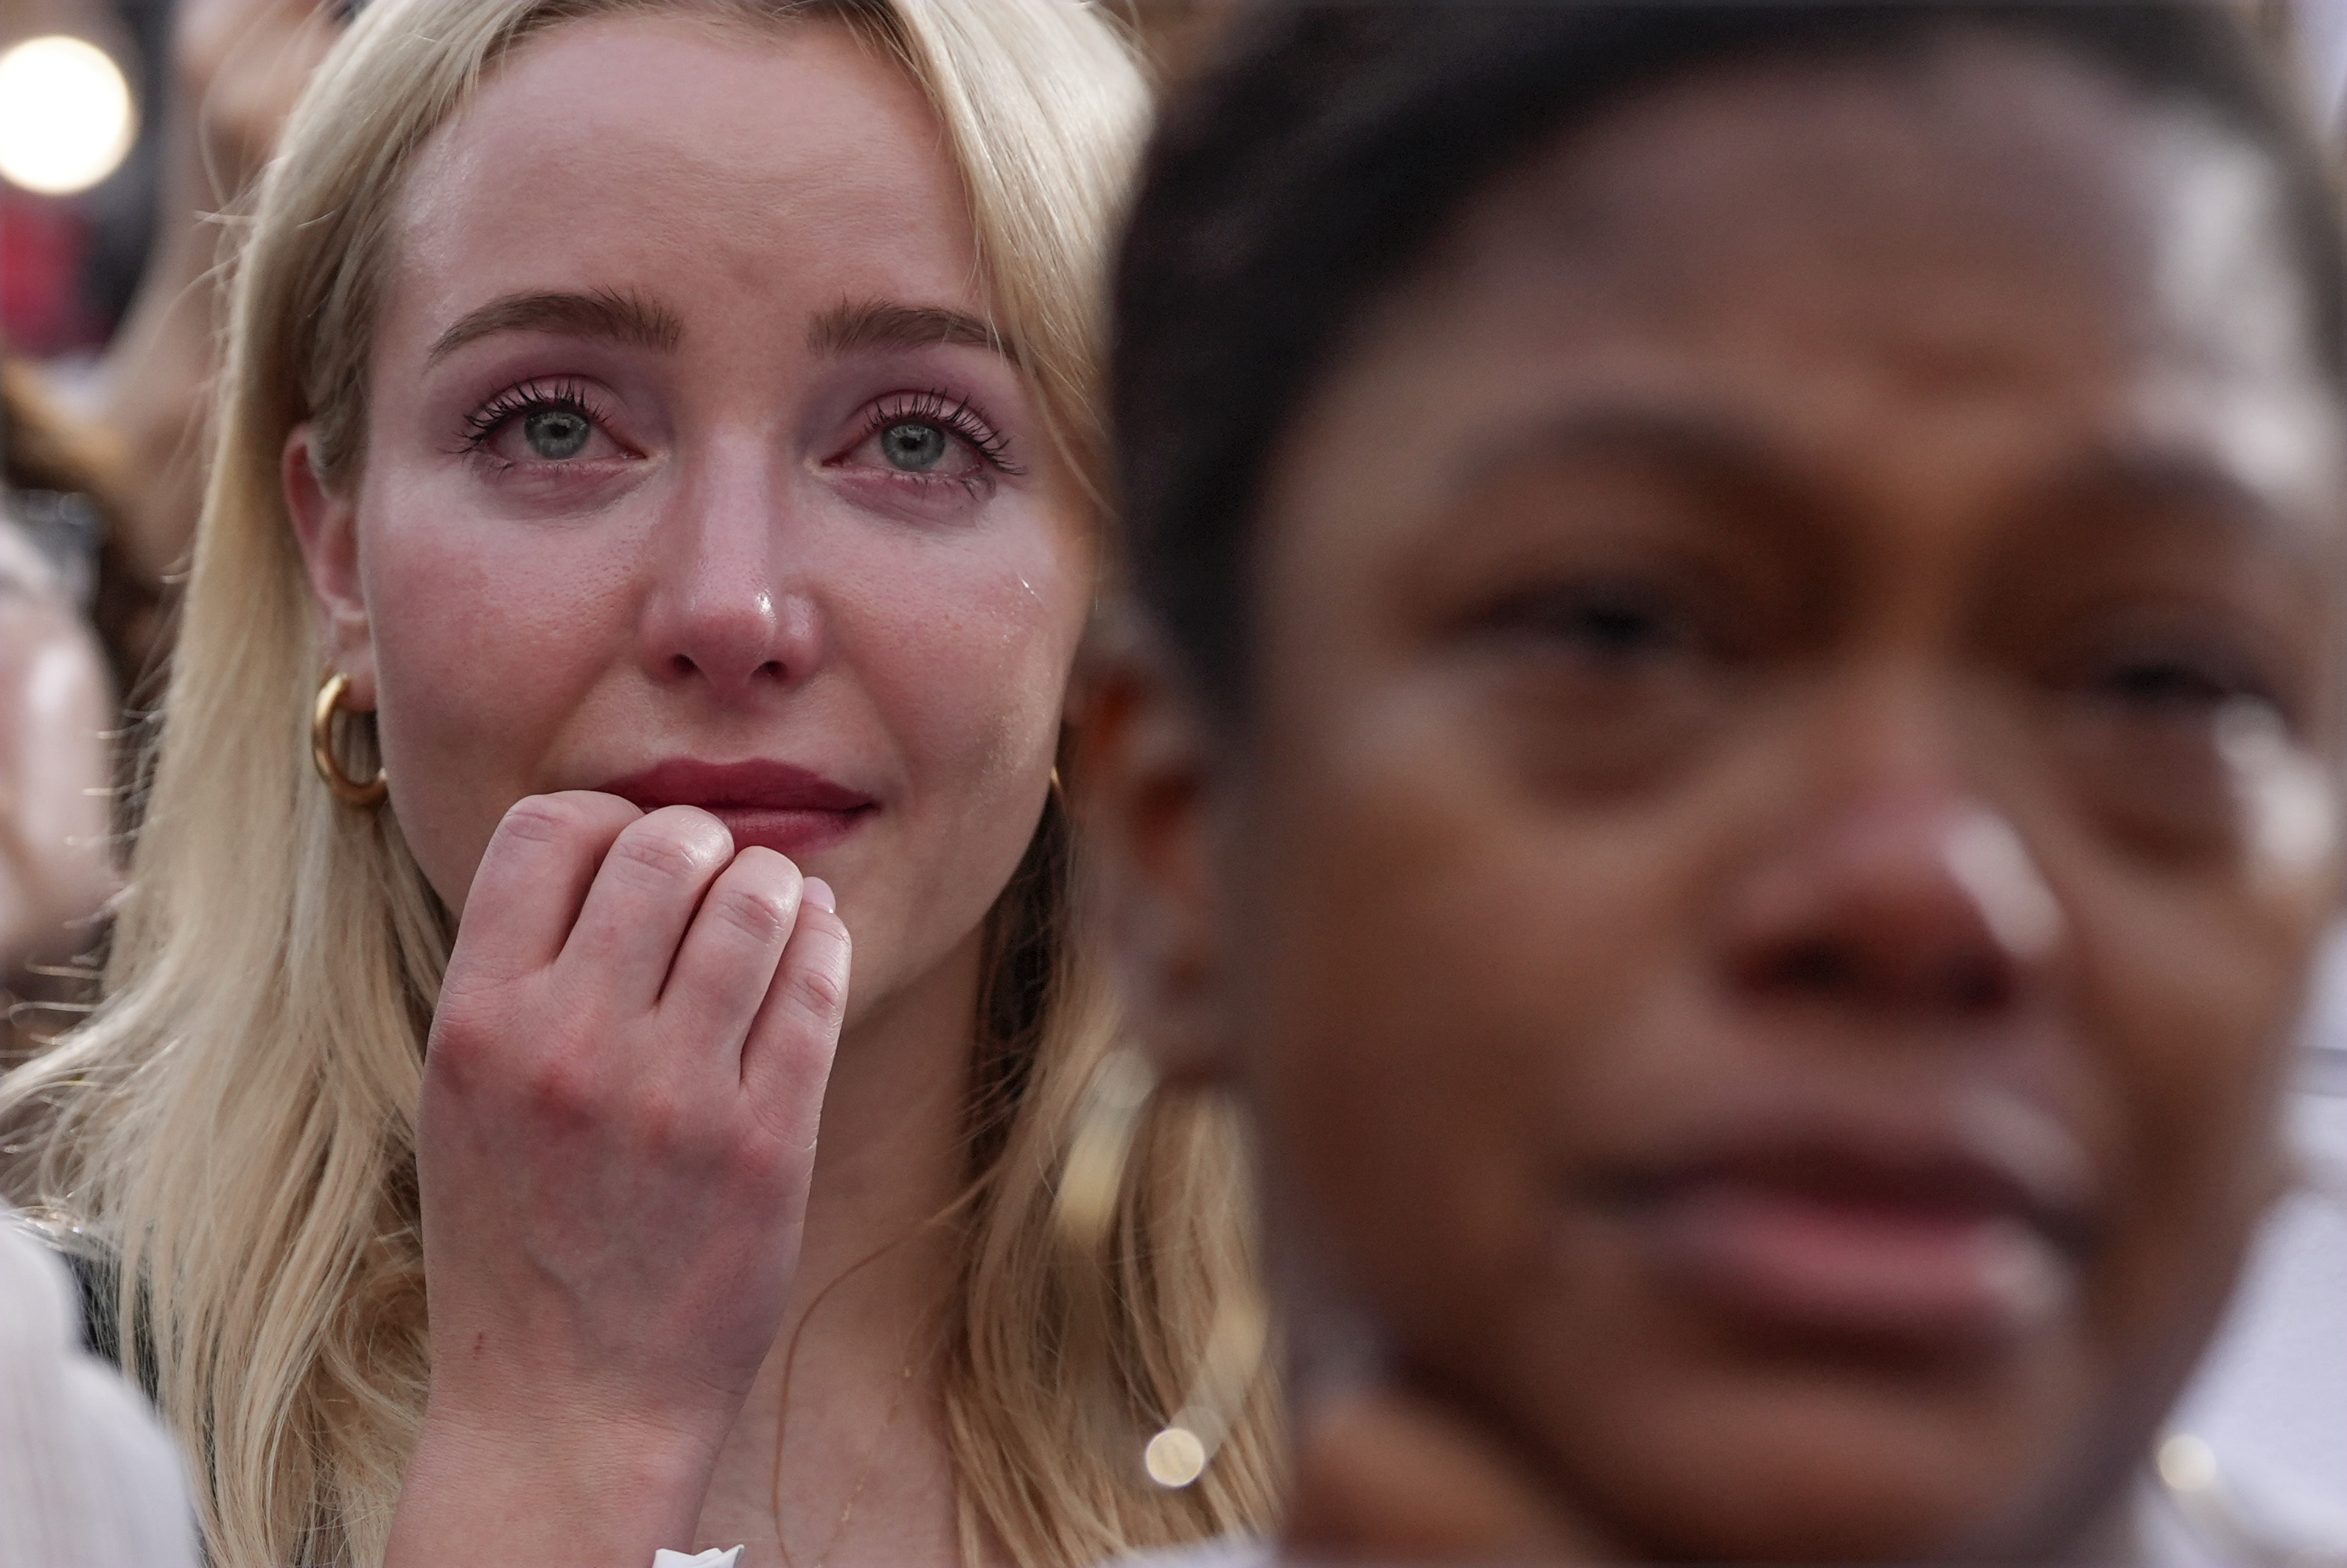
{"points": [[1084, 1213], [347, 789]]}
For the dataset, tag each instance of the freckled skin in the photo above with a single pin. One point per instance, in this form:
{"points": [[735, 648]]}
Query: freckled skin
{"points": [[520, 640], [1517, 886]]}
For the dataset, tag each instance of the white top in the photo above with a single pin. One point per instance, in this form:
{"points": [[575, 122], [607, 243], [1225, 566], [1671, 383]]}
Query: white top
{"points": [[1217, 1552], [2271, 1401], [88, 1476]]}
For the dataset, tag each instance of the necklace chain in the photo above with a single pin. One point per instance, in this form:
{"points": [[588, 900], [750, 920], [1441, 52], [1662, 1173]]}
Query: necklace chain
{"points": [[865, 1470]]}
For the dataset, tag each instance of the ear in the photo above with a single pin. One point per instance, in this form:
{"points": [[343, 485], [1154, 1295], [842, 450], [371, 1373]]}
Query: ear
{"points": [[1148, 813], [325, 522]]}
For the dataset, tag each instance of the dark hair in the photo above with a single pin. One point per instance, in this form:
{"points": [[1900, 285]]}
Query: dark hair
{"points": [[1325, 153]]}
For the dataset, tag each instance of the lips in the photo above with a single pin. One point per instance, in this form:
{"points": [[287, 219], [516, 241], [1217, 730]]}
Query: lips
{"points": [[1940, 1238], [789, 809]]}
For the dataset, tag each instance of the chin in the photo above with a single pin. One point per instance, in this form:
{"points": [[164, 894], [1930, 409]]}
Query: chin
{"points": [[1839, 1472], [1754, 1518]]}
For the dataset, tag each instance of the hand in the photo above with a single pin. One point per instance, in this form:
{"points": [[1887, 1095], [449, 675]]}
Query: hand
{"points": [[614, 1144]]}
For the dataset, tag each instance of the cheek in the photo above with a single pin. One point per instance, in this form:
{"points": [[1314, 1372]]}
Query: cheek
{"points": [[480, 655], [961, 651], [966, 651], [2197, 1001], [1434, 975]]}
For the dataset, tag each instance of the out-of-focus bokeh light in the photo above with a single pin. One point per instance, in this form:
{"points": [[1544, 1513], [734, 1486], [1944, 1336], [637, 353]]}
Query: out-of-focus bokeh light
{"points": [[65, 118], [2187, 1464]]}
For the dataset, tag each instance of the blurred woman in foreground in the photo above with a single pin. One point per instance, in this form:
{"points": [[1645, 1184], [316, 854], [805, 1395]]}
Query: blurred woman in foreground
{"points": [[653, 513], [1733, 746]]}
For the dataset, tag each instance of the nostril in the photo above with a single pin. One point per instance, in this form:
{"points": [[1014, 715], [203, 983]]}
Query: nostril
{"points": [[682, 663], [1825, 969], [1977, 984], [1810, 966]]}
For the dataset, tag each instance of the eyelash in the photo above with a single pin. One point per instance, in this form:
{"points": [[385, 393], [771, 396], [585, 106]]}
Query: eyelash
{"points": [[936, 407], [943, 410], [530, 398]]}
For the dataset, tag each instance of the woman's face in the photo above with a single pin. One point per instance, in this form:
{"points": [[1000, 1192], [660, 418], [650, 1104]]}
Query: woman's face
{"points": [[1789, 795], [694, 473]]}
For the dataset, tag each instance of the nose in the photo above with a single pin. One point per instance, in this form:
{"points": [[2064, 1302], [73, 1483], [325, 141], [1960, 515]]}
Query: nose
{"points": [[731, 605], [1899, 899]]}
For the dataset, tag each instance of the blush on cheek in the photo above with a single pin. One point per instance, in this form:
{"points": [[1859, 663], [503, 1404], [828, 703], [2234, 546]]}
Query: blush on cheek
{"points": [[983, 680], [962, 652], [481, 655], [987, 718]]}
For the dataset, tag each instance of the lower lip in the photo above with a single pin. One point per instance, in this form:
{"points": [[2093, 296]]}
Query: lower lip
{"points": [[789, 832], [1893, 1272]]}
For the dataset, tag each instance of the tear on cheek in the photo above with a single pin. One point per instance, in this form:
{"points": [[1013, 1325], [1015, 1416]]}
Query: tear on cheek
{"points": [[2288, 801]]}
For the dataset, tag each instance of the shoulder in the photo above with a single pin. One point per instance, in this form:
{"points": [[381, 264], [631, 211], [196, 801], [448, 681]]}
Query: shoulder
{"points": [[1221, 1552], [39, 1299], [86, 1473]]}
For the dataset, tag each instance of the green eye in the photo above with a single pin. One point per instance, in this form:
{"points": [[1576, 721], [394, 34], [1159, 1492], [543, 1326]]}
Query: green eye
{"points": [[914, 447], [555, 434]]}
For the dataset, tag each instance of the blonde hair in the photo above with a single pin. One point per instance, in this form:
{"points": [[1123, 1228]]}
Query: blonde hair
{"points": [[233, 1129]]}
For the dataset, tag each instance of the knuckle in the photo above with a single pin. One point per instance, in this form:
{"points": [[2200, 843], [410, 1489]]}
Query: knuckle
{"points": [[822, 991], [456, 1051], [663, 848], [761, 913], [468, 1027], [561, 1088], [661, 1120], [545, 818], [767, 1162], [468, 999], [758, 860]]}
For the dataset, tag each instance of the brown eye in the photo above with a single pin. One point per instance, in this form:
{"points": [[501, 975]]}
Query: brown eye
{"points": [[2186, 685], [1616, 629], [1612, 628], [2144, 744], [1604, 683], [2167, 684]]}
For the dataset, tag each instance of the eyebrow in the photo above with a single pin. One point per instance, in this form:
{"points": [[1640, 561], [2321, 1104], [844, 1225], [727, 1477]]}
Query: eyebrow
{"points": [[596, 314], [1709, 447], [1693, 444], [2183, 485], [886, 325]]}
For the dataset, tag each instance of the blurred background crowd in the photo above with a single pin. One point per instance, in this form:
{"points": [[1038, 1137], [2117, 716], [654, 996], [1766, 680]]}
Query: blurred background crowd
{"points": [[129, 129]]}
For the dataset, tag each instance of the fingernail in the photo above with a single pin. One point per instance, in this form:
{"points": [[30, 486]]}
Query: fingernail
{"points": [[817, 891]]}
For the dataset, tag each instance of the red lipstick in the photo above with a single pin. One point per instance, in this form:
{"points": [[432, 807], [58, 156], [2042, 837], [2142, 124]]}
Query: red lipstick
{"points": [[789, 809]]}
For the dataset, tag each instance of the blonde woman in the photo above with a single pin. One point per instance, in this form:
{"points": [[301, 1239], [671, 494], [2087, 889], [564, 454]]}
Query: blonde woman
{"points": [[655, 476]]}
